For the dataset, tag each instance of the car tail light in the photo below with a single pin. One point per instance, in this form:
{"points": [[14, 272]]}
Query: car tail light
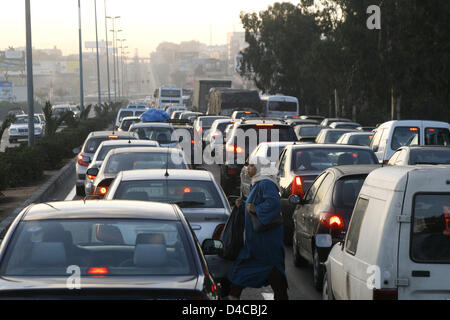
{"points": [[332, 220], [235, 149], [187, 190], [98, 271], [231, 171], [297, 187], [413, 129], [264, 125], [218, 232], [113, 137], [385, 294], [91, 177], [81, 161], [101, 191]]}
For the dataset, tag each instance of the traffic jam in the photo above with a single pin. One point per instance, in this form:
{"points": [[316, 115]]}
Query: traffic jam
{"points": [[175, 204]]}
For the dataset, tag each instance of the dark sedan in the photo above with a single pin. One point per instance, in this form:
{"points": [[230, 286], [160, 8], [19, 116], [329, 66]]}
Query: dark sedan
{"points": [[326, 209], [300, 165], [104, 250]]}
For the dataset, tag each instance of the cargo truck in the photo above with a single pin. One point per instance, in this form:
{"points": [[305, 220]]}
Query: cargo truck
{"points": [[201, 92], [225, 101]]}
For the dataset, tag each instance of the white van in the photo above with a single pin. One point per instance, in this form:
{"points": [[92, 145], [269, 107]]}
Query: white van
{"points": [[280, 106], [128, 112], [392, 135], [398, 242]]}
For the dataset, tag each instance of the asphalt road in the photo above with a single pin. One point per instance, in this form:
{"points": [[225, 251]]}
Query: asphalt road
{"points": [[299, 280]]}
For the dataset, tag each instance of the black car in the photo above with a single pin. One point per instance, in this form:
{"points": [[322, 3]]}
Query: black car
{"points": [[111, 250], [307, 132], [326, 209], [244, 137], [300, 164]]}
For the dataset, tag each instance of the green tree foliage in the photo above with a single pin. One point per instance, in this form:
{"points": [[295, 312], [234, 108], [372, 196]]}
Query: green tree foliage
{"points": [[309, 52]]}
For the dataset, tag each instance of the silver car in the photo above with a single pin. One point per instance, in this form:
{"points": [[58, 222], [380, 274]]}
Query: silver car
{"points": [[87, 151], [196, 192], [103, 150]]}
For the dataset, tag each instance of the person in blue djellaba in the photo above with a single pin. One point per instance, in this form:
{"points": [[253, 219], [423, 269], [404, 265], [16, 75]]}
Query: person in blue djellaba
{"points": [[261, 260]]}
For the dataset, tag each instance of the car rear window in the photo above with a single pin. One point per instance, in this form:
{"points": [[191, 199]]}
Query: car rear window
{"points": [[184, 193], [346, 191], [126, 124], [99, 247], [104, 150], [93, 143], [437, 136], [160, 134], [208, 121], [125, 113], [429, 156], [309, 131], [405, 136], [144, 160], [333, 136], [318, 159], [360, 140], [285, 133], [430, 237]]}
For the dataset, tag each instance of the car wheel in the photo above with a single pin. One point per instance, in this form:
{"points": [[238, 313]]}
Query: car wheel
{"points": [[299, 261], [327, 293], [318, 271], [80, 191]]}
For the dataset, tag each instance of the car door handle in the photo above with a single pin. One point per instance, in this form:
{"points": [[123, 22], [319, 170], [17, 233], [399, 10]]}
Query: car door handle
{"points": [[420, 273], [196, 227]]}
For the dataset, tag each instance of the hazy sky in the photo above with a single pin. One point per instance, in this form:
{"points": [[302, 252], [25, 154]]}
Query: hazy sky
{"points": [[145, 23]]}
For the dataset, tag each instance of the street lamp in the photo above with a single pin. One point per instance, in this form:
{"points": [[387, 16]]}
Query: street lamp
{"points": [[98, 58], [117, 62], [113, 31], [81, 60], [107, 53], [30, 87]]}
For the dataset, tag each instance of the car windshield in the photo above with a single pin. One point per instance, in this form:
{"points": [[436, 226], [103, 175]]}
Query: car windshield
{"points": [[125, 113], [105, 149], [161, 134], [437, 136], [207, 122], [187, 115], [24, 120], [429, 156], [244, 114], [283, 106], [347, 126], [309, 131], [319, 159], [93, 143], [333, 136], [144, 160], [404, 136], [360, 140], [98, 247], [346, 191], [138, 113], [185, 193]]}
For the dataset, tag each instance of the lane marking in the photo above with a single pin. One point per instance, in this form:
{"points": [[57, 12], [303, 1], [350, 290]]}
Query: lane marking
{"points": [[71, 194], [267, 296]]}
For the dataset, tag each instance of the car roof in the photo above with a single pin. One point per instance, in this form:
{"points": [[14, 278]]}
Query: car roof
{"points": [[356, 169], [425, 148], [151, 124], [132, 118], [253, 121], [414, 123], [338, 130], [358, 133], [112, 133], [345, 122], [327, 146], [159, 174], [277, 143], [101, 209], [121, 142]]}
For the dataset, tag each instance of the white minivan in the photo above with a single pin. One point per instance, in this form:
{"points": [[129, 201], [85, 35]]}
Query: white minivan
{"points": [[398, 242], [392, 135]]}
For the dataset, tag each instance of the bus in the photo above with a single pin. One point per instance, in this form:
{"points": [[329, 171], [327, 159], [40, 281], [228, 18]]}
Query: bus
{"points": [[280, 106], [169, 96]]}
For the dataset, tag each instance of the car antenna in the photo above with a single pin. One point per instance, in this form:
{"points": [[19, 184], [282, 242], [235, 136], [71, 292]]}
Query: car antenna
{"points": [[167, 163]]}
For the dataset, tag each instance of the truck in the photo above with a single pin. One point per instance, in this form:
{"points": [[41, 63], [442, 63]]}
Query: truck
{"points": [[201, 92], [225, 101]]}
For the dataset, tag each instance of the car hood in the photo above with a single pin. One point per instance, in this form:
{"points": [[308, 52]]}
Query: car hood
{"points": [[24, 126]]}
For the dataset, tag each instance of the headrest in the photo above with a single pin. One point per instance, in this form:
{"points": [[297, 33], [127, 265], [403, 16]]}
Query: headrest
{"points": [[109, 234], [194, 196], [150, 255], [150, 238], [48, 254]]}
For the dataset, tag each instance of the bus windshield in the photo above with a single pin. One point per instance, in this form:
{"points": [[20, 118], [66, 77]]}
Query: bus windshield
{"points": [[285, 106]]}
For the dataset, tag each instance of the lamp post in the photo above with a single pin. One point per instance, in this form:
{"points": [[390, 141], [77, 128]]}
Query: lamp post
{"points": [[117, 62], [107, 54], [29, 75], [81, 60], [98, 58], [121, 62], [114, 52]]}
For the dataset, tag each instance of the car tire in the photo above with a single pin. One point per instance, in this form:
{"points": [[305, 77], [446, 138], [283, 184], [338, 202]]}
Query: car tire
{"points": [[299, 261], [80, 191], [327, 293], [318, 271]]}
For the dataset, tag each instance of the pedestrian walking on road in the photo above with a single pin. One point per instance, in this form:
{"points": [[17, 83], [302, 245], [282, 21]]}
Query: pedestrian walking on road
{"points": [[261, 261]]}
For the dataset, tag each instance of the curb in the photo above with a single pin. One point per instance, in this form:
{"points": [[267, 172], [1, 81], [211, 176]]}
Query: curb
{"points": [[43, 193]]}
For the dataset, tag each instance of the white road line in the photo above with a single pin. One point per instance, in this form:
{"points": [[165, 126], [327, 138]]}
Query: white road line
{"points": [[71, 195], [268, 296]]}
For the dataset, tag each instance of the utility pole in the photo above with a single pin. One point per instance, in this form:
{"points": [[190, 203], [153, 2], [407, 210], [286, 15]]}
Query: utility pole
{"points": [[107, 54], [81, 59], [98, 58], [30, 87]]}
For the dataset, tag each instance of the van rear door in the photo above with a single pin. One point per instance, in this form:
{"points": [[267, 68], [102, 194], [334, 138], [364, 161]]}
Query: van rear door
{"points": [[424, 246]]}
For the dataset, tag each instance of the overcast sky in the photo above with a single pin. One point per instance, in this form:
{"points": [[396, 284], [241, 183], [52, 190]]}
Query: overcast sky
{"points": [[145, 23]]}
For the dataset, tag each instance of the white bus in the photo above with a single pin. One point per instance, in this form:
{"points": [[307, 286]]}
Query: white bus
{"points": [[169, 96], [280, 106]]}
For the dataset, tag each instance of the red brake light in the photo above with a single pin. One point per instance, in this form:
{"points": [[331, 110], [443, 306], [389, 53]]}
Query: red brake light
{"points": [[413, 129], [81, 161], [187, 190], [98, 271], [91, 177], [113, 137], [235, 149], [297, 187], [264, 125], [331, 220], [431, 130], [218, 232], [101, 191], [192, 142]]}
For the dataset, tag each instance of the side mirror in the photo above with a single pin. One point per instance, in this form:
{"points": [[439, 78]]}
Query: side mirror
{"points": [[296, 200], [76, 151], [212, 247], [323, 241], [92, 172]]}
